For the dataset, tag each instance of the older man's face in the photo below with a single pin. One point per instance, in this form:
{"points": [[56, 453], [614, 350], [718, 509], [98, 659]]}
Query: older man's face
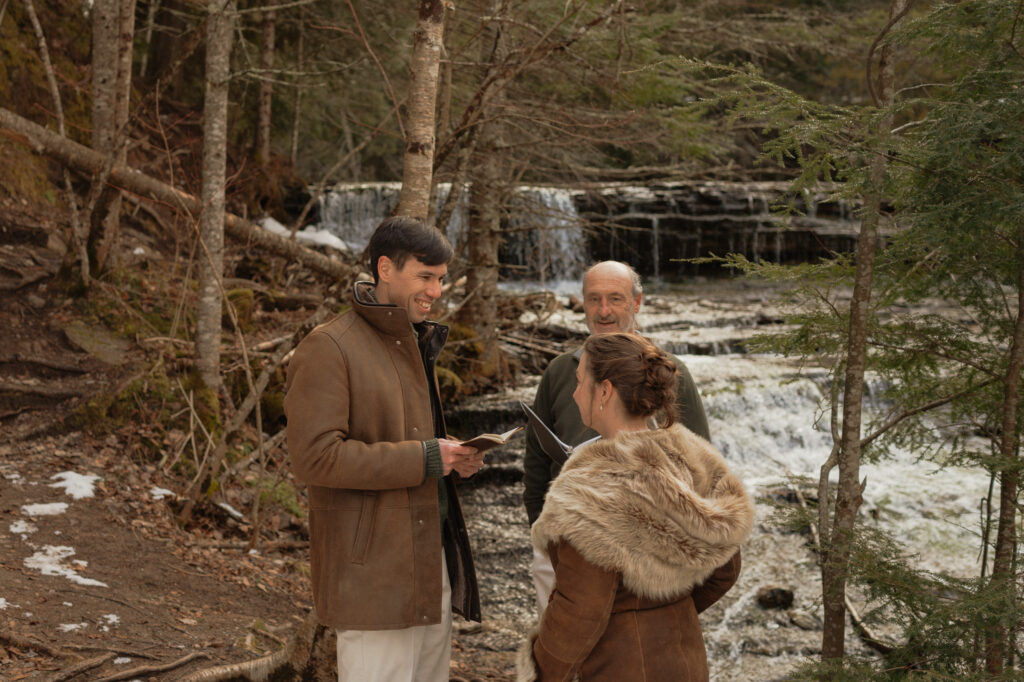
{"points": [[608, 301]]}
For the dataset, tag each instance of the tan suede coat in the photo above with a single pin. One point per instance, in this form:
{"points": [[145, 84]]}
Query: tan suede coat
{"points": [[358, 403], [644, 532]]}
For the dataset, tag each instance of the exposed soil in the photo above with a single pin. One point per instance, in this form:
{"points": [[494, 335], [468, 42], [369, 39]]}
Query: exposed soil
{"points": [[129, 592]]}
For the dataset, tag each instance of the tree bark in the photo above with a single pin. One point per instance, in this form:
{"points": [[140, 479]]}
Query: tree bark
{"points": [[219, 29], [113, 29], [836, 546], [418, 161], [166, 47], [297, 106], [88, 162], [1009, 479], [266, 89], [488, 184]]}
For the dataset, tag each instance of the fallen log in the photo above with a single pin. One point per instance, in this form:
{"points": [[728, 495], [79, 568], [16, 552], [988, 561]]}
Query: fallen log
{"points": [[89, 162]]}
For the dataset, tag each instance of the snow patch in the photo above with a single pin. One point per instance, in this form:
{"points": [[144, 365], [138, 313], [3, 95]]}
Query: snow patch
{"points": [[310, 234], [161, 493], [110, 620], [11, 475], [230, 510], [22, 528], [44, 509], [48, 562], [74, 484]]}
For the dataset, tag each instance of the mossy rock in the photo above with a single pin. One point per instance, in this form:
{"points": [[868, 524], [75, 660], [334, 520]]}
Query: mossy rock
{"points": [[97, 342], [450, 384], [243, 301]]}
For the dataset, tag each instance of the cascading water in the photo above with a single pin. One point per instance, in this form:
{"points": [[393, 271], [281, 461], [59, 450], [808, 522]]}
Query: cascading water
{"points": [[550, 234], [546, 237], [543, 236], [767, 421]]}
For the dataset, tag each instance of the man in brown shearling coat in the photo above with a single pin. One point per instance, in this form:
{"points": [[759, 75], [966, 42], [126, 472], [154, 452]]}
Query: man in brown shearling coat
{"points": [[389, 551]]}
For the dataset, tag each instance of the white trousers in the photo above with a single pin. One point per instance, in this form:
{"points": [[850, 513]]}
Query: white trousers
{"points": [[421, 653], [543, 579]]}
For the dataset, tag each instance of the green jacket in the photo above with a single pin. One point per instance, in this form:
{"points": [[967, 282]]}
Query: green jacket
{"points": [[556, 408]]}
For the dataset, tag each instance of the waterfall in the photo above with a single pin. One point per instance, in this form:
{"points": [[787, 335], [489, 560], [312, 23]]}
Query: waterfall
{"points": [[550, 234], [543, 236], [352, 211]]}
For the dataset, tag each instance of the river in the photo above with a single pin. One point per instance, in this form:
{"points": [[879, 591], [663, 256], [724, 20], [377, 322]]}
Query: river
{"points": [[765, 414]]}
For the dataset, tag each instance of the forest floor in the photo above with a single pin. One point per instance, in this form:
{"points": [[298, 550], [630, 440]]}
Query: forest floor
{"points": [[98, 579], [111, 577]]}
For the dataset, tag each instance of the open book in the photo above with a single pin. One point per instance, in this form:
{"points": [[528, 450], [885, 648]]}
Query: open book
{"points": [[551, 444], [486, 441]]}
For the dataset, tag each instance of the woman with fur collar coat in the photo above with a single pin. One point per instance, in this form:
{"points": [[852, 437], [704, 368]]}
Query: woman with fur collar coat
{"points": [[643, 528]]}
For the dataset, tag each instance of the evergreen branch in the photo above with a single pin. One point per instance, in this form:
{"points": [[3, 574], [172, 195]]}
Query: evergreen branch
{"points": [[938, 402], [934, 352]]}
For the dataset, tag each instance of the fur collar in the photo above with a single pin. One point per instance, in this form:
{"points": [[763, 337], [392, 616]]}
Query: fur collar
{"points": [[660, 507]]}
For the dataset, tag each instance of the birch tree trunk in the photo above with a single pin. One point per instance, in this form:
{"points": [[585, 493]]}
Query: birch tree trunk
{"points": [[418, 161], [836, 546], [266, 89], [219, 29], [113, 28]]}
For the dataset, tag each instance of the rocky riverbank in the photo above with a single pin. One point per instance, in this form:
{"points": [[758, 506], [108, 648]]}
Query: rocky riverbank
{"points": [[770, 621]]}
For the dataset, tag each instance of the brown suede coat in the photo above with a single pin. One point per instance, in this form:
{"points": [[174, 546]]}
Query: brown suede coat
{"points": [[358, 403], [644, 532]]}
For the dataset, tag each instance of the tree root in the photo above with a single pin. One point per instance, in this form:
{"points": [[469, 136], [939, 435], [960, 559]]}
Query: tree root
{"points": [[77, 668], [295, 655], [143, 670]]}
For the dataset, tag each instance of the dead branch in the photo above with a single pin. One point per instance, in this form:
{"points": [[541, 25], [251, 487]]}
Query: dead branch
{"points": [[211, 466], [41, 390], [295, 654], [89, 162], [26, 643], [269, 345], [49, 363], [145, 669], [72, 670], [77, 229], [551, 349]]}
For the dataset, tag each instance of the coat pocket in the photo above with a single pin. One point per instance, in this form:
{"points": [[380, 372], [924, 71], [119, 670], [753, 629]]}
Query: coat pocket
{"points": [[364, 527]]}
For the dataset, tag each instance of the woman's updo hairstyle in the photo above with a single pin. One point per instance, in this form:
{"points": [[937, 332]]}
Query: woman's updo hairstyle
{"points": [[641, 372]]}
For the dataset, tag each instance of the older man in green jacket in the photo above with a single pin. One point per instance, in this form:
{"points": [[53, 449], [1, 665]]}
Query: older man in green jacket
{"points": [[612, 294]]}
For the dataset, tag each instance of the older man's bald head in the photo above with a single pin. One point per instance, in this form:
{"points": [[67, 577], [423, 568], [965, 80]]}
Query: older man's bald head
{"points": [[611, 297]]}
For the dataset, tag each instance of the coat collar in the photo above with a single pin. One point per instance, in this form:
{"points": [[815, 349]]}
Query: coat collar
{"points": [[394, 320], [660, 507]]}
